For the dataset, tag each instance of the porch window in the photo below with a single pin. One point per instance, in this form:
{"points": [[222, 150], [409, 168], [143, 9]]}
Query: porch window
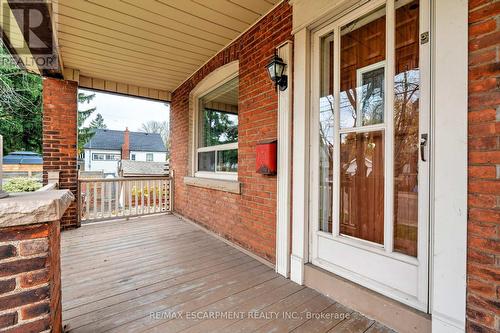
{"points": [[217, 132]]}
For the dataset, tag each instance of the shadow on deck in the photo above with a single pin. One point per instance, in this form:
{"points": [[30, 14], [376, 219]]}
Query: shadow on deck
{"points": [[162, 274]]}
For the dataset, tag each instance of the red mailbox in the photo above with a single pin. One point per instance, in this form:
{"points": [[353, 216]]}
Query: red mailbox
{"points": [[265, 161]]}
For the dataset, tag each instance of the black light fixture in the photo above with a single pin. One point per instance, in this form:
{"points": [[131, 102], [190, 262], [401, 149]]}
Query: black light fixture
{"points": [[275, 69]]}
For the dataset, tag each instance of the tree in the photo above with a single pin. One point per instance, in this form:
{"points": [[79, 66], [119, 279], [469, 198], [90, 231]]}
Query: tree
{"points": [[219, 127], [84, 133], [20, 106], [158, 127], [98, 122]]}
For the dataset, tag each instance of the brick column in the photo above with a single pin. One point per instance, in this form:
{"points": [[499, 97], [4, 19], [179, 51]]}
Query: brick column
{"points": [[30, 278], [60, 139], [483, 265]]}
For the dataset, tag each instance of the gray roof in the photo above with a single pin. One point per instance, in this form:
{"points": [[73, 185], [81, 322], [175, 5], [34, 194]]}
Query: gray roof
{"points": [[22, 157], [142, 168], [113, 140]]}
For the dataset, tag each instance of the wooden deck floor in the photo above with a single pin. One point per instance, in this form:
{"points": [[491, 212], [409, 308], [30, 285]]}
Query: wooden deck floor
{"points": [[161, 274]]}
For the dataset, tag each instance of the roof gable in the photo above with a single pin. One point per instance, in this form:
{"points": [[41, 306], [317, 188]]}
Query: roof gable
{"points": [[113, 140]]}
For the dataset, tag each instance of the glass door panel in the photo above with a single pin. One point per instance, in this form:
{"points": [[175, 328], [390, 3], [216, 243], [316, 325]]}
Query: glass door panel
{"points": [[362, 185], [362, 81], [406, 127], [326, 135], [362, 64]]}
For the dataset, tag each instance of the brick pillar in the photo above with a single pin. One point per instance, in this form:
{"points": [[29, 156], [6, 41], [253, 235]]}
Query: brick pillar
{"points": [[30, 278], [60, 139], [483, 264]]}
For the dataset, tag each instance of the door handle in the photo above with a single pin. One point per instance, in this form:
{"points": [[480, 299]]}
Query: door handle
{"points": [[423, 143]]}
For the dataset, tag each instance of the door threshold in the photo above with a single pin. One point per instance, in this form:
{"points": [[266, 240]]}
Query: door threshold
{"points": [[389, 312]]}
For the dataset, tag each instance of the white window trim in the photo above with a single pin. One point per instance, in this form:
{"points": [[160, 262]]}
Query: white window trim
{"points": [[217, 174], [217, 78], [359, 84]]}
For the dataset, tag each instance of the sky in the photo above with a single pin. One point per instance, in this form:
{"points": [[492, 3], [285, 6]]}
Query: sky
{"points": [[123, 111]]}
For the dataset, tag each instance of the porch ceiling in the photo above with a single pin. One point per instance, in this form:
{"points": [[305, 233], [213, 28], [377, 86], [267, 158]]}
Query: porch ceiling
{"points": [[150, 43]]}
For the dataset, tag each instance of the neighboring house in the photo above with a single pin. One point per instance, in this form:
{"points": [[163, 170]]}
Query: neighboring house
{"points": [[108, 147], [22, 164]]}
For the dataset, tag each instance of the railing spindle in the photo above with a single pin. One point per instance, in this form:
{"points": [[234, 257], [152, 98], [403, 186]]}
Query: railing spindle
{"points": [[129, 184], [160, 194], [95, 200], [117, 197], [155, 195], [87, 201], [149, 194], [102, 198]]}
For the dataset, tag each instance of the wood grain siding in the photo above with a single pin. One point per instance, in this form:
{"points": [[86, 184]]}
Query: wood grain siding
{"points": [[154, 44], [127, 276]]}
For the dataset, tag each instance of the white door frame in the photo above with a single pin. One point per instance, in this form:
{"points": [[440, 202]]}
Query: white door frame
{"points": [[364, 262], [448, 195]]}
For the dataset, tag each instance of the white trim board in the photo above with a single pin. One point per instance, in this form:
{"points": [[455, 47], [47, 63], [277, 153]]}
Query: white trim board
{"points": [[284, 171], [449, 38]]}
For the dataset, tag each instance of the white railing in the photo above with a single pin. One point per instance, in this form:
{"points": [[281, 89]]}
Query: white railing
{"points": [[112, 198]]}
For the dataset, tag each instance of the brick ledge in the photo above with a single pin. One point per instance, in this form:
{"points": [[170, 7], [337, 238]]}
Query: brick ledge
{"points": [[214, 184]]}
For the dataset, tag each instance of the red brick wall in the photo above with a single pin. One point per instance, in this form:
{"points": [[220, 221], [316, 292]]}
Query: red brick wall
{"points": [[60, 138], [248, 219], [483, 278], [30, 279]]}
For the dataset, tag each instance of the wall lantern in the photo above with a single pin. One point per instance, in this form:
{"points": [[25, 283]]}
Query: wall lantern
{"points": [[275, 69]]}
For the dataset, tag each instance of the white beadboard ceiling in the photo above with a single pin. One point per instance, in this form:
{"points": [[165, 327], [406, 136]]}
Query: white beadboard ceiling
{"points": [[149, 43]]}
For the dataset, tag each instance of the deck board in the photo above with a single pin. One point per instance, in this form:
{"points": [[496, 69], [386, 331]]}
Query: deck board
{"points": [[118, 275]]}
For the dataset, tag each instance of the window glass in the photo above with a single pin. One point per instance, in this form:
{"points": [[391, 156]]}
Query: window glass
{"points": [[149, 157], [326, 136], [406, 127], [106, 157], [219, 115], [362, 71], [218, 129], [227, 160], [362, 59], [206, 161]]}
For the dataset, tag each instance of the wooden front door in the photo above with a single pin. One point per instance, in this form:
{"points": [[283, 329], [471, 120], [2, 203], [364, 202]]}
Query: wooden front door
{"points": [[370, 124]]}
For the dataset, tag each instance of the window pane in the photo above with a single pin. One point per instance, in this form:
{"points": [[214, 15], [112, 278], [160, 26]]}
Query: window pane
{"points": [[326, 128], [206, 161], [406, 126], [227, 160], [362, 62], [362, 185], [219, 115]]}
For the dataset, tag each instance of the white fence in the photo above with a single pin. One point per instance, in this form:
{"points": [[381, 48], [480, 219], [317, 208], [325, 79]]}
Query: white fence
{"points": [[112, 198]]}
